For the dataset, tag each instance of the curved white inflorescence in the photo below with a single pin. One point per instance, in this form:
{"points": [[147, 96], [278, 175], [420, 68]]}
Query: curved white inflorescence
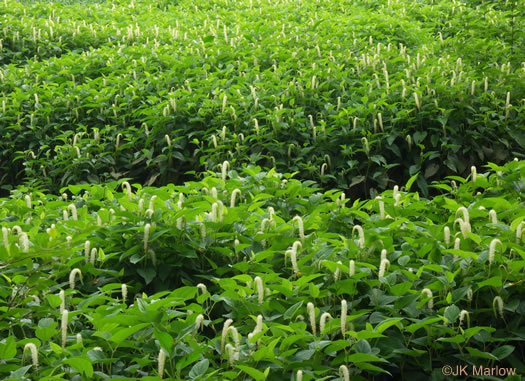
{"points": [[311, 315]]}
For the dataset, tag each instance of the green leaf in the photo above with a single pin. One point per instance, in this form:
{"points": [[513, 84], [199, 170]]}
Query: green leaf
{"points": [[477, 353], [452, 313], [165, 339], [503, 351], [411, 181], [8, 348], [148, 274], [363, 357], [124, 333], [495, 281], [82, 365], [252, 372], [381, 327], [199, 369]]}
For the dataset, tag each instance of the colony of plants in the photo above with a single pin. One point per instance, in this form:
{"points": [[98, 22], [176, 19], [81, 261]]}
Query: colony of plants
{"points": [[261, 190]]}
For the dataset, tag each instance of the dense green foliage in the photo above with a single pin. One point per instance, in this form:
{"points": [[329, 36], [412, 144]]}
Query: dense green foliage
{"points": [[154, 239], [263, 236], [359, 95]]}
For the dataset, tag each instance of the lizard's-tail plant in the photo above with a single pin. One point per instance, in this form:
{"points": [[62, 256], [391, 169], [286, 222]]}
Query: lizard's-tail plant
{"points": [[462, 316], [73, 209], [63, 326], [493, 216], [199, 322], [147, 228], [428, 293], [259, 287], [322, 321], [124, 290], [311, 315], [225, 329], [72, 276], [79, 338], [31, 347], [492, 249], [5, 237], [351, 268], [337, 272], [224, 169], [234, 194], [344, 311], [446, 233], [126, 185], [343, 371], [361, 240], [463, 226], [383, 267], [62, 297], [299, 376], [497, 306], [474, 174], [93, 257], [300, 225], [161, 362]]}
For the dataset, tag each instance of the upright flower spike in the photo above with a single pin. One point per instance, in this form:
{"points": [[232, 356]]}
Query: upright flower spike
{"points": [[5, 237], [474, 174], [72, 276], [236, 338], [34, 353], [492, 249], [93, 257], [225, 329], [62, 297], [446, 233], [337, 272], [343, 371], [203, 288], [469, 294], [234, 194], [457, 243], [311, 314], [126, 185], [224, 169], [147, 228], [351, 268], [199, 322], [79, 338], [383, 266], [299, 376], [28, 201], [498, 302], [462, 315], [124, 290], [231, 354], [73, 209], [161, 362], [428, 293], [258, 325], [259, 288], [322, 321], [383, 254], [381, 208], [301, 227], [361, 241], [463, 226], [493, 216], [63, 326], [344, 311]]}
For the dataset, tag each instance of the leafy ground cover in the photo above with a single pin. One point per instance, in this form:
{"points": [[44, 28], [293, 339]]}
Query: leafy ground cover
{"points": [[358, 95], [257, 275], [207, 190]]}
